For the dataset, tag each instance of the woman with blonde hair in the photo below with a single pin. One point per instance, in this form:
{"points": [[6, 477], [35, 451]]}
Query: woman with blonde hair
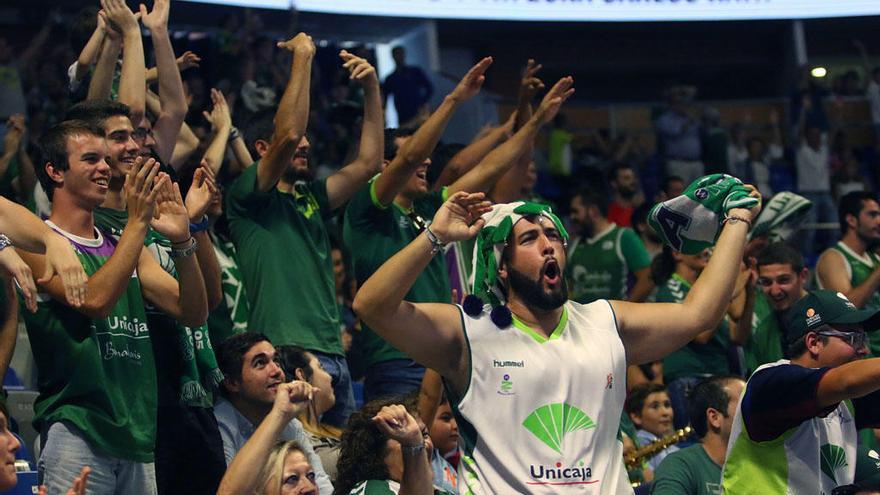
{"points": [[286, 470]]}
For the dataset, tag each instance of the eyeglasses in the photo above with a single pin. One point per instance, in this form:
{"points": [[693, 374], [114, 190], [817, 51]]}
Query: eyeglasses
{"points": [[856, 340]]}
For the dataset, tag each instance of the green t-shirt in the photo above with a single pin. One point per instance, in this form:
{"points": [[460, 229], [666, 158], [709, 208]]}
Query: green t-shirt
{"points": [[598, 267], [374, 233], [694, 360], [690, 471], [860, 268], [765, 343], [284, 257], [98, 375]]}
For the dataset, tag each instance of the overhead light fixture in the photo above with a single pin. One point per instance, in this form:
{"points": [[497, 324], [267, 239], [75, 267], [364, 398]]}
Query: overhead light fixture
{"points": [[818, 72]]}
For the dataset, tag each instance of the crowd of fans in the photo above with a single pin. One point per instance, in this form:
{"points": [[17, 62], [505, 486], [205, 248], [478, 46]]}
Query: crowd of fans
{"points": [[253, 298]]}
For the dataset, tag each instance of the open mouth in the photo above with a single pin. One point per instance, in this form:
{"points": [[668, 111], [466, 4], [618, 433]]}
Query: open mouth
{"points": [[423, 175], [102, 181], [551, 272]]}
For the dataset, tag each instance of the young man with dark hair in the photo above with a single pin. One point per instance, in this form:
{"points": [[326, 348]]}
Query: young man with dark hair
{"points": [[850, 266], [796, 427], [276, 208], [604, 255], [89, 357], [520, 433], [696, 470], [253, 375], [782, 279]]}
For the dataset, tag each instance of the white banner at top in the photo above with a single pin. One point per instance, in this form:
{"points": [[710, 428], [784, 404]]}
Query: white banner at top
{"points": [[580, 10]]}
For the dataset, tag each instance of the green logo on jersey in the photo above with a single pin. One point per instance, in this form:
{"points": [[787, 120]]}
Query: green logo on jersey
{"points": [[833, 457], [550, 423]]}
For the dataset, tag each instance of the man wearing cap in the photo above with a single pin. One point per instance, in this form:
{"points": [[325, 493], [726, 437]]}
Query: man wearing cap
{"points": [[538, 382], [795, 428]]}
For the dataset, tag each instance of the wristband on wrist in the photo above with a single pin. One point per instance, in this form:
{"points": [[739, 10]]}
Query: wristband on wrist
{"points": [[412, 449], [188, 250], [200, 226], [234, 133], [5, 242], [436, 244], [735, 219]]}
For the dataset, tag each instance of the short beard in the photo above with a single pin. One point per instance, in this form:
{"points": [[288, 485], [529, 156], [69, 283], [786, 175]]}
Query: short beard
{"points": [[532, 292]]}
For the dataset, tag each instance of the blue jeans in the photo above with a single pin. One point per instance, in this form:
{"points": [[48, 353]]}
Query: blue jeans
{"points": [[394, 377], [338, 369], [65, 454]]}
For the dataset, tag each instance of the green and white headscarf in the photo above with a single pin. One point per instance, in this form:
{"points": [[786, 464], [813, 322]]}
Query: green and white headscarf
{"points": [[490, 244]]}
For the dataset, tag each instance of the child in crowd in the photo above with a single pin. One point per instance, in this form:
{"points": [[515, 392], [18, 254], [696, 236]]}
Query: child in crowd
{"points": [[649, 408]]}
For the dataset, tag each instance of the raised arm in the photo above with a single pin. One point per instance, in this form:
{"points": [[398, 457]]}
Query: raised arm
{"points": [[420, 145], [500, 160], [131, 84], [397, 424], [466, 159], [202, 192], [242, 475], [102, 80], [652, 331], [11, 141], [106, 286], [186, 61], [439, 343], [221, 125], [344, 183], [184, 299], [90, 52], [171, 99], [292, 116]]}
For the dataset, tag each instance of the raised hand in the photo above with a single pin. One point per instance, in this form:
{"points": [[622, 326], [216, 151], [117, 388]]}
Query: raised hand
{"points": [[219, 117], [358, 68], [301, 44], [201, 193], [293, 398], [750, 213], [173, 220], [104, 23], [14, 134], [530, 84], [187, 61], [554, 99], [460, 217], [119, 16], [141, 189], [471, 83], [61, 259], [12, 266], [158, 17], [397, 424]]}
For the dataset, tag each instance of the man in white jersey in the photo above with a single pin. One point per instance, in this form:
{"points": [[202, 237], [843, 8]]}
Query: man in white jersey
{"points": [[795, 428], [538, 394]]}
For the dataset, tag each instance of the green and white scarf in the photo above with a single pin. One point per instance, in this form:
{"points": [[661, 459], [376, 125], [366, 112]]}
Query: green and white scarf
{"points": [[691, 222]]}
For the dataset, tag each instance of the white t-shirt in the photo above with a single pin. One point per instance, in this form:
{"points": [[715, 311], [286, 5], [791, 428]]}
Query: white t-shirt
{"points": [[812, 168]]}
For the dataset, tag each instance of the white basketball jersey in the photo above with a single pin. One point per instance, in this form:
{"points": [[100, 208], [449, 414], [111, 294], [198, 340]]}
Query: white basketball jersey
{"points": [[542, 415]]}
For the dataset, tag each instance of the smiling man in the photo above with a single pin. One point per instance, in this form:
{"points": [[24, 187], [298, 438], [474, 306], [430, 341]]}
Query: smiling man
{"points": [[782, 277], [538, 382], [795, 428], [253, 373]]}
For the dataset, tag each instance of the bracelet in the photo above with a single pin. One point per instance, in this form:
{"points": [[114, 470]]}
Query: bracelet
{"points": [[5, 242], [234, 133], [735, 219], [412, 450], [436, 245], [200, 226], [185, 252]]}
